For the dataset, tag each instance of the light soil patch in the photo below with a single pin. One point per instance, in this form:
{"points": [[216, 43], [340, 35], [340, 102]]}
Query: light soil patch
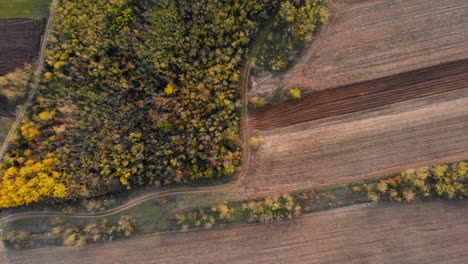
{"points": [[362, 145], [364, 40], [418, 233]]}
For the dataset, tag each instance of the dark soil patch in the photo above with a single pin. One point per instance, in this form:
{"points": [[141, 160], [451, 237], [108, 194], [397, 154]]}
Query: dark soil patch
{"points": [[19, 42], [365, 95]]}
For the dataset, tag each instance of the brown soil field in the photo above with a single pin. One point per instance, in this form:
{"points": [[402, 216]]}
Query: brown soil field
{"points": [[365, 95], [365, 40], [417, 233], [362, 145], [19, 42]]}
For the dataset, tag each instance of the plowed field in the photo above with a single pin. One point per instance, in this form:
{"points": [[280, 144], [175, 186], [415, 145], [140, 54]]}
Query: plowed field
{"points": [[418, 233], [365, 40], [365, 95], [365, 144], [19, 42]]}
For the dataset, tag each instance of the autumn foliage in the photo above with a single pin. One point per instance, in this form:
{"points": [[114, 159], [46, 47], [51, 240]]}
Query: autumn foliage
{"points": [[446, 180], [133, 93]]}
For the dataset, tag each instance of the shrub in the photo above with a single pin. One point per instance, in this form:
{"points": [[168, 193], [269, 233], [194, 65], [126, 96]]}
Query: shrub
{"points": [[18, 239], [257, 102], [446, 180], [295, 93], [255, 142]]}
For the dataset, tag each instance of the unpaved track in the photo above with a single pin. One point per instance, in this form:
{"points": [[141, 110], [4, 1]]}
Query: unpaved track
{"points": [[366, 95], [417, 233], [369, 39], [361, 145]]}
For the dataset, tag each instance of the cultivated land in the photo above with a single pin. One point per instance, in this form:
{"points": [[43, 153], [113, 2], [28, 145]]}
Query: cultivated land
{"points": [[416, 233], [344, 134], [19, 42], [364, 144], [364, 40], [365, 95]]}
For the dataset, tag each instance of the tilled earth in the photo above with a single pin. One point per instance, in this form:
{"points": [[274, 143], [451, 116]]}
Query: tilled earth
{"points": [[361, 145], [19, 42], [432, 232], [365, 95], [365, 40]]}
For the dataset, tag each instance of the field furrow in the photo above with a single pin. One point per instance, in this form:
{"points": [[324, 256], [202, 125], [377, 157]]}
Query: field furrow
{"points": [[365, 95]]}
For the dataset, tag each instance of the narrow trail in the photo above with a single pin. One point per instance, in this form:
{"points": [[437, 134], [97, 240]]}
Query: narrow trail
{"points": [[34, 86]]}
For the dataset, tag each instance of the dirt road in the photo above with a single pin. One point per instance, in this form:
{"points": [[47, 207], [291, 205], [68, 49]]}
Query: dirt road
{"points": [[418, 233]]}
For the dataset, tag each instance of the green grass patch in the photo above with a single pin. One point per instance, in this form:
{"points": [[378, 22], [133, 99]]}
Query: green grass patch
{"points": [[23, 8], [5, 125]]}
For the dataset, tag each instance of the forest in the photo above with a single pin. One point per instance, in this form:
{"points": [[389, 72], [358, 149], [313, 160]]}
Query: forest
{"points": [[134, 93]]}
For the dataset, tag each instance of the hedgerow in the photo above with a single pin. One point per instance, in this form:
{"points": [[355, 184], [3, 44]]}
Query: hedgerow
{"points": [[448, 181]]}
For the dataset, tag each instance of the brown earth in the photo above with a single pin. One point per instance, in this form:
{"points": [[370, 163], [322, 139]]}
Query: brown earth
{"points": [[418, 233], [365, 40], [365, 95], [19, 42], [361, 145]]}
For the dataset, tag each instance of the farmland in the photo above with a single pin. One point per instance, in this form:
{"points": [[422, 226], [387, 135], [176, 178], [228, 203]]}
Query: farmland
{"points": [[365, 40], [364, 144], [19, 42], [388, 91], [417, 233]]}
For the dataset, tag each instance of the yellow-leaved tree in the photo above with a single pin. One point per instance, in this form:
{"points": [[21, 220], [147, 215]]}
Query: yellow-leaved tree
{"points": [[31, 182]]}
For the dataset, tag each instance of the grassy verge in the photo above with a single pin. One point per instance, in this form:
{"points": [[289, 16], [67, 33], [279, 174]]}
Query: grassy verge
{"points": [[5, 124], [23, 8], [276, 207], [151, 216]]}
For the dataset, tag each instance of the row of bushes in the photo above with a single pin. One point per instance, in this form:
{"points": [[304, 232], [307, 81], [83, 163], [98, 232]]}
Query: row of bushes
{"points": [[448, 181], [70, 235], [251, 211]]}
